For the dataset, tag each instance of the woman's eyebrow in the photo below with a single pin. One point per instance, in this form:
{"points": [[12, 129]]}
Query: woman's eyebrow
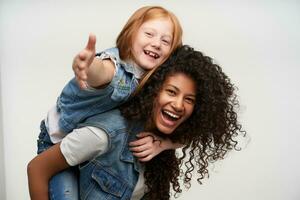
{"points": [[192, 94], [177, 89], [173, 86]]}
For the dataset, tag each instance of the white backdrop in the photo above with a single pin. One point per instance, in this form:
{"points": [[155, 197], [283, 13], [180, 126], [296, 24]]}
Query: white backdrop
{"points": [[256, 43]]}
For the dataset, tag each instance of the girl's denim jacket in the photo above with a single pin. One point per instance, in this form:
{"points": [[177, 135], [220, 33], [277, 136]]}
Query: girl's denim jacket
{"points": [[114, 174], [75, 105]]}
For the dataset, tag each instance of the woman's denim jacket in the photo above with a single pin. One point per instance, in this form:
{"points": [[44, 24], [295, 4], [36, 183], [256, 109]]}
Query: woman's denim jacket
{"points": [[114, 174], [75, 105]]}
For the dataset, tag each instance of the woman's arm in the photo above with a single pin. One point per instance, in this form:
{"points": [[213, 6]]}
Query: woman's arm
{"points": [[41, 168], [78, 146], [90, 69], [148, 145]]}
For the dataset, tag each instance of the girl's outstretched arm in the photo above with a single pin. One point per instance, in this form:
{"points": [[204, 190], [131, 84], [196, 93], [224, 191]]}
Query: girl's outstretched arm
{"points": [[41, 168], [90, 69]]}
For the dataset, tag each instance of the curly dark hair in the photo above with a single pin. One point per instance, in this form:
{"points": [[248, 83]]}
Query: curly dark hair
{"points": [[208, 134]]}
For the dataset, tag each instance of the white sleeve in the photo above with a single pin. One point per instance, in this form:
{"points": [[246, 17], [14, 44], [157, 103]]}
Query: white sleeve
{"points": [[83, 144]]}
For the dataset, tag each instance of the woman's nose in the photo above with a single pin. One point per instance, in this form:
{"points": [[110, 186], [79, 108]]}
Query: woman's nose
{"points": [[178, 104]]}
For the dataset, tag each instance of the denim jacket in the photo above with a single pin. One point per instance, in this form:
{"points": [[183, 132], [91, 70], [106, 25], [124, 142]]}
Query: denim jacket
{"points": [[114, 174], [74, 105]]}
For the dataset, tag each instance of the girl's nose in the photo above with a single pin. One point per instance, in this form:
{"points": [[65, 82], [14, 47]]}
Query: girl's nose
{"points": [[156, 43]]}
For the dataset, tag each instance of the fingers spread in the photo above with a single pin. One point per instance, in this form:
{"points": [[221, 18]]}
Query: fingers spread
{"points": [[80, 74], [91, 43], [82, 55]]}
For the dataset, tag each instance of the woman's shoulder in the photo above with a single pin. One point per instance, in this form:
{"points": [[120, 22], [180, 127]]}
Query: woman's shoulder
{"points": [[110, 121]]}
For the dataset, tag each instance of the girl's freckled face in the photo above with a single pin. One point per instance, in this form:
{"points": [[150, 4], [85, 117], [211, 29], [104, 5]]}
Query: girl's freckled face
{"points": [[152, 43]]}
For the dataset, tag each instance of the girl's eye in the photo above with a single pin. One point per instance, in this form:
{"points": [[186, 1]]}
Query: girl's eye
{"points": [[166, 42], [148, 34]]}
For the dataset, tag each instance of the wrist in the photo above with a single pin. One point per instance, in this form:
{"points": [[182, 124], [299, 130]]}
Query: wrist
{"points": [[166, 144]]}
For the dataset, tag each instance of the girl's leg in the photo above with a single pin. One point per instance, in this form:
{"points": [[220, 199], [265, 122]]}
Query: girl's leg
{"points": [[64, 185]]}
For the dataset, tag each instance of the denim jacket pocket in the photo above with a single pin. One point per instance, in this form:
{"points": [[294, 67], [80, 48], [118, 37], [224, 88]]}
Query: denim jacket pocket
{"points": [[109, 183]]}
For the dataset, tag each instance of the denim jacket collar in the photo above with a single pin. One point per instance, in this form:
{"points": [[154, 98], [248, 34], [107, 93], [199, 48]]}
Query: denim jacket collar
{"points": [[133, 68]]}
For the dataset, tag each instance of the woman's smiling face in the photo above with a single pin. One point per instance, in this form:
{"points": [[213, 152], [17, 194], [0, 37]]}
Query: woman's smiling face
{"points": [[175, 102]]}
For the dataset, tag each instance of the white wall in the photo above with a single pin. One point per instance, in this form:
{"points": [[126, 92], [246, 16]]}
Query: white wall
{"points": [[256, 43], [2, 175]]}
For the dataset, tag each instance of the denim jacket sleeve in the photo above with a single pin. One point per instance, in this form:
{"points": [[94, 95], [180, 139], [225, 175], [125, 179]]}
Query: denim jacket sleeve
{"points": [[75, 105]]}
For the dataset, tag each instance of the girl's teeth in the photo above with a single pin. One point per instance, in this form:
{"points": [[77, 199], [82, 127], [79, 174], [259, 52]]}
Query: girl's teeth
{"points": [[154, 55]]}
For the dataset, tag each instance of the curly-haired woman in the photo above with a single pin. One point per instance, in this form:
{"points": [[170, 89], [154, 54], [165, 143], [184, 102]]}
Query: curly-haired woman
{"points": [[188, 100]]}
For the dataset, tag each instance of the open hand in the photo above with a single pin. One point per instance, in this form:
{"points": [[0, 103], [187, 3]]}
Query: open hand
{"points": [[83, 60]]}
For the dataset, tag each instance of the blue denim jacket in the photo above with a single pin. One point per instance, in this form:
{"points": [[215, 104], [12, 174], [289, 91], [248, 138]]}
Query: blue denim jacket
{"points": [[75, 105], [114, 174]]}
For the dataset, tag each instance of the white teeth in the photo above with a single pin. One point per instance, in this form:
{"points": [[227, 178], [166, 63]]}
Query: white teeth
{"points": [[171, 114], [152, 54]]}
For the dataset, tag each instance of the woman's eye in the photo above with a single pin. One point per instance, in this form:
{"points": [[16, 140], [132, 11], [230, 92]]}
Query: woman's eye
{"points": [[171, 92], [190, 100]]}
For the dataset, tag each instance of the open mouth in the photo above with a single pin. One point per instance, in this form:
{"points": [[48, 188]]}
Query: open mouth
{"points": [[152, 54], [170, 116]]}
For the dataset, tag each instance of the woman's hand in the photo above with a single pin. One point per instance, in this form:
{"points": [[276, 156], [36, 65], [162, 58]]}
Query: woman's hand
{"points": [[147, 146], [83, 60]]}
